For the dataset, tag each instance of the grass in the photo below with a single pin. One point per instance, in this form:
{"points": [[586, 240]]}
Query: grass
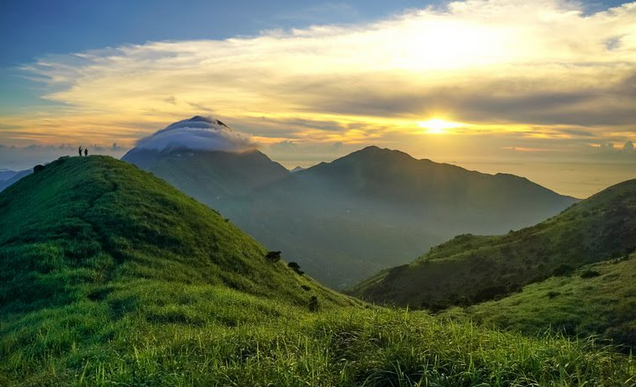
{"points": [[597, 300], [110, 277], [82, 225], [152, 333]]}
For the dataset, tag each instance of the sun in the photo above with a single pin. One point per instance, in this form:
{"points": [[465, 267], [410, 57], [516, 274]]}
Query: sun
{"points": [[438, 125]]}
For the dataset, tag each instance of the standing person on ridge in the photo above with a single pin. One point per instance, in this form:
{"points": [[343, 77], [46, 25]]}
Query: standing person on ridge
{"points": [[80, 150], [86, 152]]}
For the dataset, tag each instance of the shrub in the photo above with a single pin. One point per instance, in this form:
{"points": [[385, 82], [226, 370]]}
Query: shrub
{"points": [[563, 270], [38, 168], [295, 267], [273, 256], [590, 273], [305, 288]]}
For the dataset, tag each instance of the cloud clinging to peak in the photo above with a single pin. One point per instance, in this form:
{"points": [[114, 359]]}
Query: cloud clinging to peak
{"points": [[198, 133]]}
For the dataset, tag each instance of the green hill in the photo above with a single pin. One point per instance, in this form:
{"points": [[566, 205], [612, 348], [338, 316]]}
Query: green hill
{"points": [[470, 269], [82, 224], [111, 277], [598, 299]]}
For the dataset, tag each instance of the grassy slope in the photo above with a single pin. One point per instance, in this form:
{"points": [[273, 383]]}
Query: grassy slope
{"points": [[83, 224], [111, 277], [470, 269], [599, 299]]}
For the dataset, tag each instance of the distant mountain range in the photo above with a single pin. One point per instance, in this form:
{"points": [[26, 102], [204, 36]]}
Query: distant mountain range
{"points": [[13, 176], [344, 220], [6, 174], [470, 269]]}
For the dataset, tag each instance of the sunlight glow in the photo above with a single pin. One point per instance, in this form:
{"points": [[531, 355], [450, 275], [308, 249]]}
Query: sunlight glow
{"points": [[438, 125]]}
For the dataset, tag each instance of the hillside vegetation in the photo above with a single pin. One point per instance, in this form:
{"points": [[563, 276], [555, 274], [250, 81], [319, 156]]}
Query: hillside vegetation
{"points": [[596, 300], [470, 269], [81, 225], [112, 277]]}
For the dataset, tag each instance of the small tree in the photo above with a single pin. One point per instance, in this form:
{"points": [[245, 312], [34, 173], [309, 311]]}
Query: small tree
{"points": [[295, 267], [38, 168], [273, 256]]}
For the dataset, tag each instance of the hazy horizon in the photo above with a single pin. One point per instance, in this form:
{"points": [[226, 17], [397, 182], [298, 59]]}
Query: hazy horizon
{"points": [[577, 178]]}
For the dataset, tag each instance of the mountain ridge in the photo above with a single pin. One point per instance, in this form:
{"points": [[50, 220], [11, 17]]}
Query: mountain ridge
{"points": [[355, 211]]}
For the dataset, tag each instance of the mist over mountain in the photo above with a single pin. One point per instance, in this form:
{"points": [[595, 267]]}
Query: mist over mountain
{"points": [[197, 133], [345, 220]]}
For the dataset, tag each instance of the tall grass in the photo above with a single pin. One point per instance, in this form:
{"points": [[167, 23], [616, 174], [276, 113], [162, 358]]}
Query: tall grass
{"points": [[228, 338]]}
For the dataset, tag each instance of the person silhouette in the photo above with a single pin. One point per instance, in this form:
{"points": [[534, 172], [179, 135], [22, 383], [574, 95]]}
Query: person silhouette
{"points": [[80, 150], [86, 152]]}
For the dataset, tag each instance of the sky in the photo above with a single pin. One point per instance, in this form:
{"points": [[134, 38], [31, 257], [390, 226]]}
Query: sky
{"points": [[495, 85]]}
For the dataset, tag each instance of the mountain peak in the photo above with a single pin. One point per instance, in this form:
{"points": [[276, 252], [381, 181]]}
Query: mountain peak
{"points": [[198, 134], [374, 151]]}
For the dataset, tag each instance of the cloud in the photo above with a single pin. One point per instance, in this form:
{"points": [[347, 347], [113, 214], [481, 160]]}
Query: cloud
{"points": [[503, 66], [198, 133]]}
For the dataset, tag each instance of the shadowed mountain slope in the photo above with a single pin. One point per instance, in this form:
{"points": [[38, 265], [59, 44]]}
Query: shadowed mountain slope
{"points": [[375, 207], [345, 220]]}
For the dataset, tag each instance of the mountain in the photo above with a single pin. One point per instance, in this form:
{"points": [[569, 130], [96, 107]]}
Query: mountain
{"points": [[109, 276], [213, 173], [595, 300], [344, 220], [298, 169], [6, 174], [215, 176], [376, 207], [470, 269], [17, 176], [439, 190]]}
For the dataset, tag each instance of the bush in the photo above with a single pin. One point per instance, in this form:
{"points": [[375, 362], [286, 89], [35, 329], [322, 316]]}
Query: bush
{"points": [[273, 256], [590, 273], [305, 288], [295, 267], [38, 168], [563, 270]]}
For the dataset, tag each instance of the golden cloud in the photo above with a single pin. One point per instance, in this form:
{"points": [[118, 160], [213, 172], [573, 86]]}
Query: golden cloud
{"points": [[499, 65]]}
